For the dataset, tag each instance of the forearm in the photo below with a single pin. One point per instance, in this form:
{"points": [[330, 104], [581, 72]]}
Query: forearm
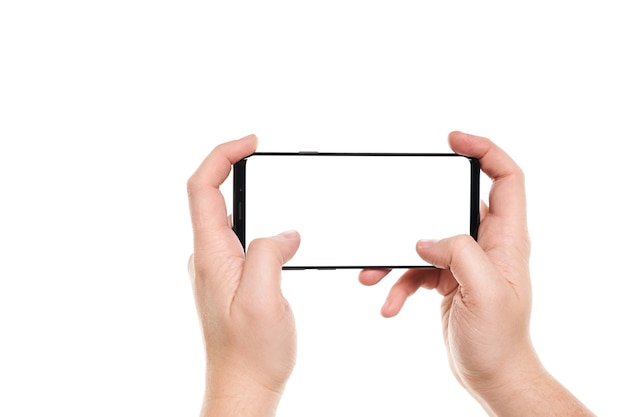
{"points": [[538, 396]]}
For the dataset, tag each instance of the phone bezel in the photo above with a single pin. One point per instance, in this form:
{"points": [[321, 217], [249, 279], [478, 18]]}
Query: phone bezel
{"points": [[239, 199]]}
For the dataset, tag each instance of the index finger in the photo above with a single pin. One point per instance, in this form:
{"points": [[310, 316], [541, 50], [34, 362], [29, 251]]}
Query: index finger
{"points": [[206, 203], [507, 198]]}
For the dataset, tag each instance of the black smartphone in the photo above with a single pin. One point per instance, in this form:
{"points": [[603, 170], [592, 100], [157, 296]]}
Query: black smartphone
{"points": [[356, 210]]}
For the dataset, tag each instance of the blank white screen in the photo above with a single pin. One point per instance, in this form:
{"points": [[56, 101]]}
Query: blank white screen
{"points": [[357, 211]]}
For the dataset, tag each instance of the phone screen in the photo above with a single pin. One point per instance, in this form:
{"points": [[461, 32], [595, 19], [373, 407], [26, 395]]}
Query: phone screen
{"points": [[356, 210]]}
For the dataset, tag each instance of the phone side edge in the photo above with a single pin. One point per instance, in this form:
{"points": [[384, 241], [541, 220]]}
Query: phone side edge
{"points": [[474, 197], [239, 201]]}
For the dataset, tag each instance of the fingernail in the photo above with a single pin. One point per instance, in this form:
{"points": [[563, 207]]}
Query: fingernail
{"points": [[426, 243], [290, 234]]}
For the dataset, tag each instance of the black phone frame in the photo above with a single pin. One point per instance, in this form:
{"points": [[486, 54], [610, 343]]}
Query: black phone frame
{"points": [[239, 199]]}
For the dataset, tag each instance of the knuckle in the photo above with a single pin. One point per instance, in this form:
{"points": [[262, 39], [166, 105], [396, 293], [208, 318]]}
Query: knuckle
{"points": [[460, 243], [261, 245], [192, 185], [266, 247], [519, 173], [459, 246]]}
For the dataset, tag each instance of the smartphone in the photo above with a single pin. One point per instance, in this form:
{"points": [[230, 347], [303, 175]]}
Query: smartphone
{"points": [[356, 210]]}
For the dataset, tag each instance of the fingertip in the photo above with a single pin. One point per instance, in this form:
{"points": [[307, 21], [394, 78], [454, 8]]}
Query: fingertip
{"points": [[291, 238], [249, 143], [252, 138], [372, 276], [425, 244], [290, 235], [467, 144], [390, 308], [456, 136], [363, 277], [424, 247], [456, 133], [217, 165]]}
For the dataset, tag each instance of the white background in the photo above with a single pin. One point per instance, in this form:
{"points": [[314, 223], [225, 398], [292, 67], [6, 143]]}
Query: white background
{"points": [[106, 108], [357, 210]]}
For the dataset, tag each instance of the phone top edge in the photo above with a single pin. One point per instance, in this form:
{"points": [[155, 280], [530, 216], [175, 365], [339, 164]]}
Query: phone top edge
{"points": [[326, 268], [314, 153]]}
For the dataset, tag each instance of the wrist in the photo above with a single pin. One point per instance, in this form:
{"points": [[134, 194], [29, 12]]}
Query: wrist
{"points": [[229, 394], [518, 396], [536, 393], [512, 385], [530, 390], [239, 406]]}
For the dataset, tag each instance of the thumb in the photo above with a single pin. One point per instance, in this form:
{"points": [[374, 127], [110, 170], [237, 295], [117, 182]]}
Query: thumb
{"points": [[264, 260], [467, 262]]}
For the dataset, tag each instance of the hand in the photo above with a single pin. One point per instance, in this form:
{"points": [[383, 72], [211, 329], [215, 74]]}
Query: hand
{"points": [[486, 295], [485, 284], [248, 326]]}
